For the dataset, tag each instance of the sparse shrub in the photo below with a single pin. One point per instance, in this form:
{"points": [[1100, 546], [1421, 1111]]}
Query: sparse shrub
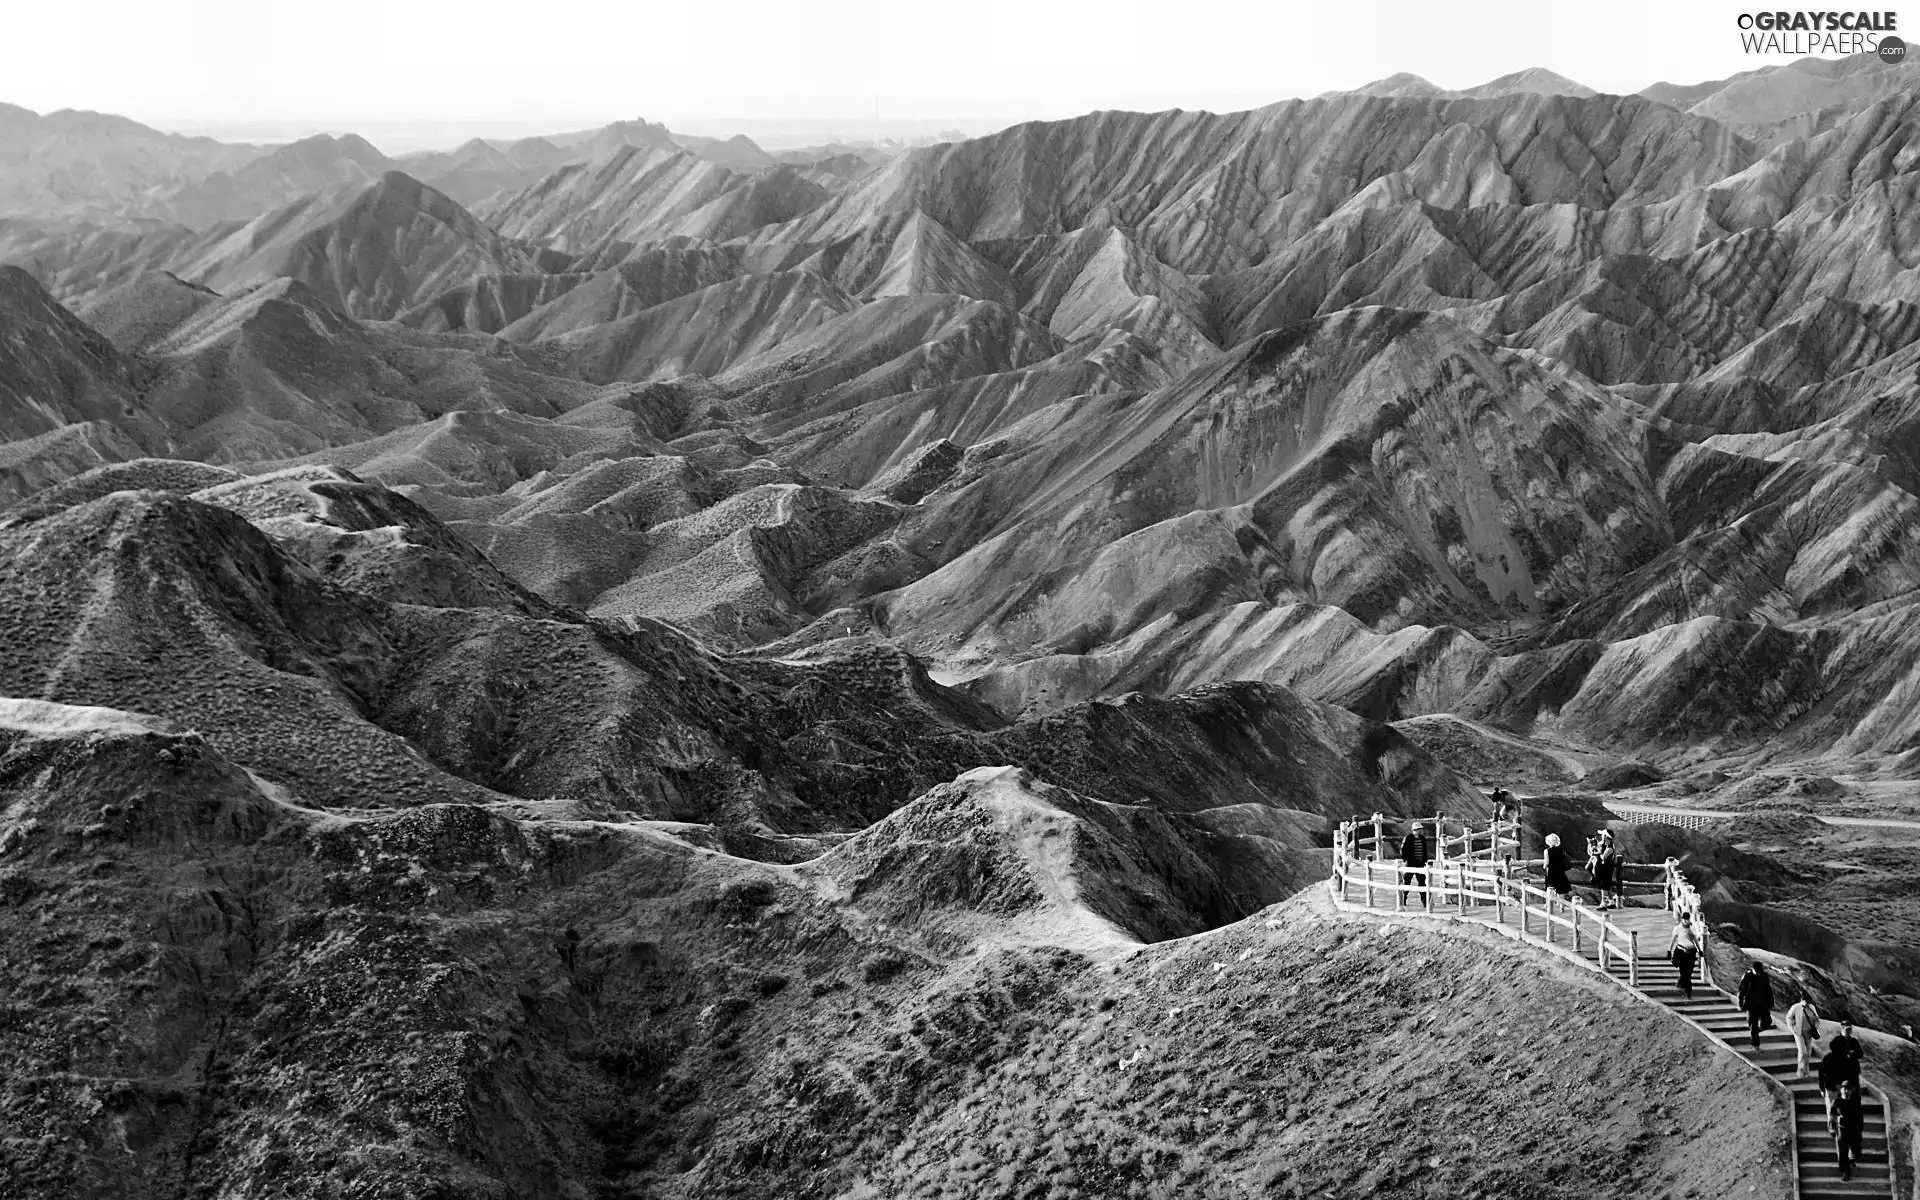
{"points": [[635, 1052], [883, 965], [744, 895], [770, 985], [17, 887]]}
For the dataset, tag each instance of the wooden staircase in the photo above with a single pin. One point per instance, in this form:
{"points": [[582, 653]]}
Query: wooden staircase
{"points": [[1457, 893], [1713, 1010]]}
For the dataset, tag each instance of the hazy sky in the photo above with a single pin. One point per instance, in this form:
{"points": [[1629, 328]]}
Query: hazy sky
{"points": [[346, 62]]}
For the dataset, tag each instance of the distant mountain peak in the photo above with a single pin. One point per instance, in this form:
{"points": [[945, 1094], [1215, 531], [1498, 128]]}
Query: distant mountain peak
{"points": [[1532, 79]]}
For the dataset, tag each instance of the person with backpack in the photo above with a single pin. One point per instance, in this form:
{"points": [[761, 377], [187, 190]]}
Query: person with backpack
{"points": [[1803, 1022], [1413, 861], [1683, 950], [1756, 1000], [1848, 1125]]}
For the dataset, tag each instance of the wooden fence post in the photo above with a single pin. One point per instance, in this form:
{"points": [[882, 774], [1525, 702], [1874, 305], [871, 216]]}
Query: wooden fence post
{"points": [[1633, 962], [1379, 836], [1523, 910]]}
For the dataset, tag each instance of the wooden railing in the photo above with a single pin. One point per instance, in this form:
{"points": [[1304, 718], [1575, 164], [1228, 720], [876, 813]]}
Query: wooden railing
{"points": [[1491, 842], [1683, 900], [1465, 884]]}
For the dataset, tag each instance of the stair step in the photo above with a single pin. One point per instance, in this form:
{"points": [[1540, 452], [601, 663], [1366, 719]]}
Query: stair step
{"points": [[1830, 1173]]}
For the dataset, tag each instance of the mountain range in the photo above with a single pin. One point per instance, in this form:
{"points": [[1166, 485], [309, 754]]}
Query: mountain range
{"points": [[620, 664]]}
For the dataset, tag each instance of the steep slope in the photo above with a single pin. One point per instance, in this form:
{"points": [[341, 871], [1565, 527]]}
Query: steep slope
{"points": [[630, 195], [56, 371]]}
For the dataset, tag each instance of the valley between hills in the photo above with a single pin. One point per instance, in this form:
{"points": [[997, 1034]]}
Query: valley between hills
{"points": [[623, 665]]}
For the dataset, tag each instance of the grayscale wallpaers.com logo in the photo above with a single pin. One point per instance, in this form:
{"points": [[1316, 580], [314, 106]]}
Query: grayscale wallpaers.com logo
{"points": [[1822, 33]]}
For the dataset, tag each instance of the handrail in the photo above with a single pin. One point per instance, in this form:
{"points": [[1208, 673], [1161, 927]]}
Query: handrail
{"points": [[1497, 835], [1683, 900], [1471, 882]]}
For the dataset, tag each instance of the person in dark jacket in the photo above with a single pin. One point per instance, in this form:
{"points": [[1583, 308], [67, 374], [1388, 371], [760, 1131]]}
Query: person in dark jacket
{"points": [[1848, 1124], [1846, 1046], [1601, 862], [1831, 1072], [1413, 861], [1554, 862], [1756, 1000]]}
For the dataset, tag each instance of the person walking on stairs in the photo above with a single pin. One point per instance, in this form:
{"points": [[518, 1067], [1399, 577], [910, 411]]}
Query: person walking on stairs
{"points": [[1847, 1047], [1831, 1073], [1848, 1125], [1803, 1022], [1683, 950], [1554, 863], [1413, 861], [1756, 1000]]}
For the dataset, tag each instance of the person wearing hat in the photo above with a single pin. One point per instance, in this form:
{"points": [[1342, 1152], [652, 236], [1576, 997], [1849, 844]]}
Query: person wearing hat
{"points": [[1413, 861], [1602, 862], [1846, 1047], [1848, 1124], [1616, 872], [1554, 862]]}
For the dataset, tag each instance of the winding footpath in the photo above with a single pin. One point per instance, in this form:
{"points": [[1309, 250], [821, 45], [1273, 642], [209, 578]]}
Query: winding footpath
{"points": [[1712, 1012]]}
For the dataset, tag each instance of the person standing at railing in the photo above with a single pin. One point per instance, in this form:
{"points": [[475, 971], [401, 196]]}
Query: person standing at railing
{"points": [[1683, 950], [1554, 863], [1613, 893], [1803, 1022], [1756, 1000], [1413, 861], [1602, 863]]}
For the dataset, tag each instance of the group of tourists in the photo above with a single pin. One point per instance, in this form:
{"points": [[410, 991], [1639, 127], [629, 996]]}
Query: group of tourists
{"points": [[1839, 1076], [1605, 867], [1838, 1071]]}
